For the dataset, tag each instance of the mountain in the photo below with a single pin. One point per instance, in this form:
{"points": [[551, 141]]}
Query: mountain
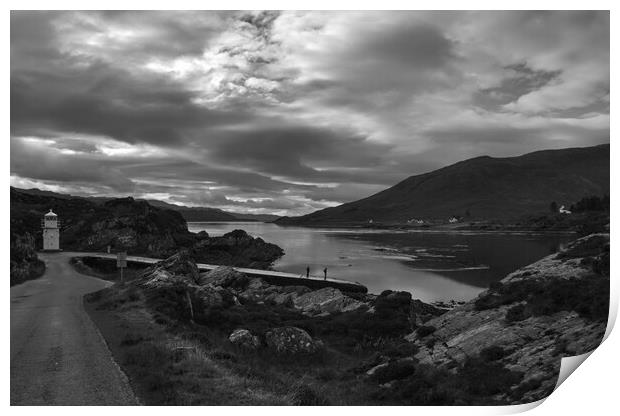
{"points": [[480, 188], [196, 213], [190, 214], [256, 217]]}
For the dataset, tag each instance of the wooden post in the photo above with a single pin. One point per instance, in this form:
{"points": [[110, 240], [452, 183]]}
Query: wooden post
{"points": [[121, 262], [191, 308]]}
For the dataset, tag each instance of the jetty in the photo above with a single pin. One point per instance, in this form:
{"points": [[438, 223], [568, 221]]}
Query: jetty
{"points": [[270, 276]]}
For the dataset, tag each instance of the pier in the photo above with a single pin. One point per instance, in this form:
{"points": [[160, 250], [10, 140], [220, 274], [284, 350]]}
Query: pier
{"points": [[270, 276]]}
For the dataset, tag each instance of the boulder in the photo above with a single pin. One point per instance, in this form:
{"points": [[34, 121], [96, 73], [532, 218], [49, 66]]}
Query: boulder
{"points": [[257, 290], [244, 339], [157, 278], [177, 268], [325, 301], [223, 276], [290, 340]]}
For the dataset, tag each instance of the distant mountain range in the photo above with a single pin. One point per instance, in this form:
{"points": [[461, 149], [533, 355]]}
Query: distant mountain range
{"points": [[190, 214], [480, 188]]}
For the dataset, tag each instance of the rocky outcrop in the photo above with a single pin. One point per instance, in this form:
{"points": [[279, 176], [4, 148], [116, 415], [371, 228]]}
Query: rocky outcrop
{"points": [[260, 291], [291, 340], [527, 322], [237, 248], [179, 268], [325, 301], [224, 276], [137, 227], [244, 339]]}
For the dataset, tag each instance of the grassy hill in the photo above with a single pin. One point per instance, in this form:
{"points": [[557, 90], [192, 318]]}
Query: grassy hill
{"points": [[188, 213], [480, 188]]}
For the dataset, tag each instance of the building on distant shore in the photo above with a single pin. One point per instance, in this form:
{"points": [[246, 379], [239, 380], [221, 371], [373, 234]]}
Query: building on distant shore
{"points": [[51, 231], [564, 210]]}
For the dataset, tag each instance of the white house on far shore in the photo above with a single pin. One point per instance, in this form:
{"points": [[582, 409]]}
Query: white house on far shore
{"points": [[563, 210]]}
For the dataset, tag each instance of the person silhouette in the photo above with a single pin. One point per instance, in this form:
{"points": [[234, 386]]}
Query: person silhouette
{"points": [[325, 272], [307, 271]]}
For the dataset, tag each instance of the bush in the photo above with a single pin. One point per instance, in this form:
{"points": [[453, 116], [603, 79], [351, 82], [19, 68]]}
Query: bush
{"points": [[394, 371], [485, 379], [492, 353], [25, 264], [305, 395], [401, 349], [517, 313], [427, 387], [588, 296], [425, 330]]}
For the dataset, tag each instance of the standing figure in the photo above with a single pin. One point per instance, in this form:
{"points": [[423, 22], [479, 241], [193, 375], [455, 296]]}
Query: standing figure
{"points": [[325, 272], [307, 271]]}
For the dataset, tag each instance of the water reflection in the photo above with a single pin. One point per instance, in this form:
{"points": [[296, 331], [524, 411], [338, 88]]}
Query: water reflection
{"points": [[431, 265]]}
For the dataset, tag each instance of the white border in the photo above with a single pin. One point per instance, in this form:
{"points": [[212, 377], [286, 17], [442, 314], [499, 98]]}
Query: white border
{"points": [[593, 387]]}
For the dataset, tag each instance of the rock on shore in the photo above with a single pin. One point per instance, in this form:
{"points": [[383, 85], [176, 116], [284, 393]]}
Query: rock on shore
{"points": [[552, 308]]}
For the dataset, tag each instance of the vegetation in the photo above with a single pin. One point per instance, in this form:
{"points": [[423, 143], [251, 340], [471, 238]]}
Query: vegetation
{"points": [[135, 226], [591, 203], [25, 264], [172, 359], [425, 330], [172, 341], [588, 297], [553, 207]]}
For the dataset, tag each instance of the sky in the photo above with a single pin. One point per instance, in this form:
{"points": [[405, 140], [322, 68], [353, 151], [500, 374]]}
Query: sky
{"points": [[290, 112]]}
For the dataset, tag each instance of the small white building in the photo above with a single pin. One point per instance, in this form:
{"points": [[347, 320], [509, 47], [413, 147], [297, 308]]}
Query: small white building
{"points": [[564, 210], [51, 231]]}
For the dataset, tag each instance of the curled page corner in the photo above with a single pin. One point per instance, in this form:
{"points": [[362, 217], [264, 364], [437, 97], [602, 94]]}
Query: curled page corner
{"points": [[613, 311], [568, 365]]}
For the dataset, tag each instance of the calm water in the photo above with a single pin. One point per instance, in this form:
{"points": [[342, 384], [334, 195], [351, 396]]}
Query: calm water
{"points": [[431, 265]]}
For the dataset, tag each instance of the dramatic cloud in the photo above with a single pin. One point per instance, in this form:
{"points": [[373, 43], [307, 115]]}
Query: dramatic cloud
{"points": [[289, 112]]}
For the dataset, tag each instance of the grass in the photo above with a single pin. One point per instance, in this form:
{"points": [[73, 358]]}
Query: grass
{"points": [[172, 360]]}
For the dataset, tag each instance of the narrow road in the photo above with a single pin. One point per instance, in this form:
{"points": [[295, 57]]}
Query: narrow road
{"points": [[57, 355]]}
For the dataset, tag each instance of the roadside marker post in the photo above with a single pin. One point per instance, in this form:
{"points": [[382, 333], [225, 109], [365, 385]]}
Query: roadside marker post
{"points": [[121, 262]]}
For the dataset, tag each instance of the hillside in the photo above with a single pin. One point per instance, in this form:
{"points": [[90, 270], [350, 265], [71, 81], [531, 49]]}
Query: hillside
{"points": [[264, 344], [189, 213], [480, 188], [134, 226]]}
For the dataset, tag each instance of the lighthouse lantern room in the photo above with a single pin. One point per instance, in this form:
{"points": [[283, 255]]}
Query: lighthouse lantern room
{"points": [[51, 231]]}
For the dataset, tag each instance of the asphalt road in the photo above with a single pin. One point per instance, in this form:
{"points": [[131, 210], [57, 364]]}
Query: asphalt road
{"points": [[57, 355]]}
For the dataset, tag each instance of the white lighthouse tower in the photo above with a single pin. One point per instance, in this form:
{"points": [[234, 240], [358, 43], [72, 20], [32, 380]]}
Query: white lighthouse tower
{"points": [[51, 231]]}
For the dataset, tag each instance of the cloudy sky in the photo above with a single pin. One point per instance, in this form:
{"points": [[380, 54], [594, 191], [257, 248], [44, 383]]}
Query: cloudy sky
{"points": [[286, 113]]}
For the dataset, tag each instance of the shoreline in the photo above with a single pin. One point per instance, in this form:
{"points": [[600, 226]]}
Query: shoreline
{"points": [[443, 228], [168, 330]]}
